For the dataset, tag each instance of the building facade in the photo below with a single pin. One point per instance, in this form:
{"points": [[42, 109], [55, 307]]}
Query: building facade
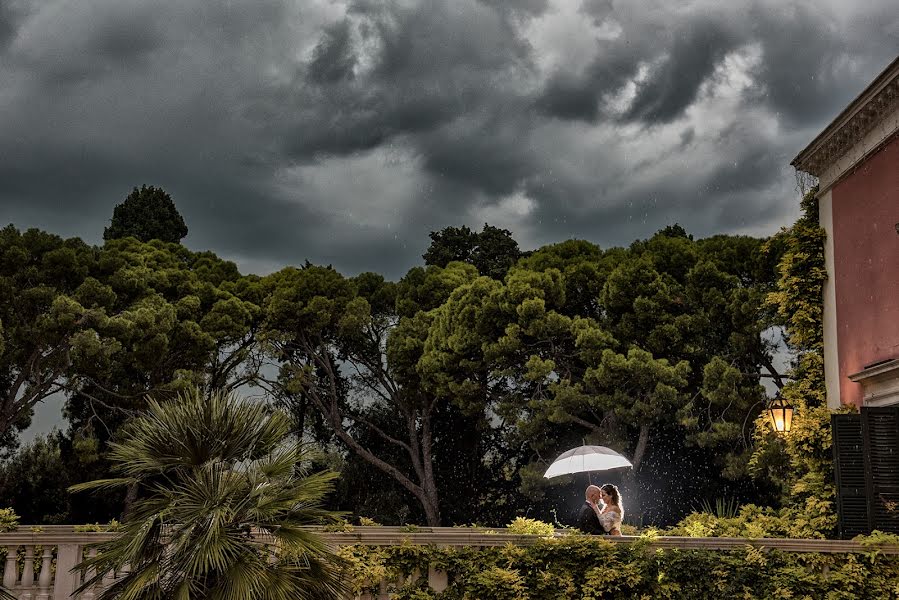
{"points": [[856, 162]]}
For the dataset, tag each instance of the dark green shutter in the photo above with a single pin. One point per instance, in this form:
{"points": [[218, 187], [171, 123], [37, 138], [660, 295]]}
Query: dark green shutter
{"points": [[880, 432], [849, 472]]}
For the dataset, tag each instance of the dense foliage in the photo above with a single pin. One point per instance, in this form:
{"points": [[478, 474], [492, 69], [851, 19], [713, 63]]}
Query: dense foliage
{"points": [[592, 568], [480, 366], [492, 252], [802, 462], [36, 482], [147, 214], [40, 321]]}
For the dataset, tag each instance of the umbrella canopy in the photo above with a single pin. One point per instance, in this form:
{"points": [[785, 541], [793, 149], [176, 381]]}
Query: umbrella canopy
{"points": [[586, 458]]}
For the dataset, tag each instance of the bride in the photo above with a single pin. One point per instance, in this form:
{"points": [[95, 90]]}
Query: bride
{"points": [[611, 511]]}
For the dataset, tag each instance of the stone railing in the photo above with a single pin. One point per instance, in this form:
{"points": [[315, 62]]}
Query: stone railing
{"points": [[50, 555]]}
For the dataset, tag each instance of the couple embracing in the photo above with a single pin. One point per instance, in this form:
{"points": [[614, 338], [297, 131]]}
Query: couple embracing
{"points": [[602, 511]]}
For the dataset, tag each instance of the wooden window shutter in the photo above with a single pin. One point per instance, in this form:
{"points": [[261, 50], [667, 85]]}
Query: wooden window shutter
{"points": [[849, 473], [880, 432]]}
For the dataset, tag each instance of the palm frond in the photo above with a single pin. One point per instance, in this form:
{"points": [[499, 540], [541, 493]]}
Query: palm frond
{"points": [[223, 501], [102, 484]]}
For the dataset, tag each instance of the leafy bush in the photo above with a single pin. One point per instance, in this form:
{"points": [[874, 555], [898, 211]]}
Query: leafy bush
{"points": [[9, 520], [497, 582], [877, 539], [588, 567], [801, 463], [98, 527], [807, 521], [525, 526], [339, 526]]}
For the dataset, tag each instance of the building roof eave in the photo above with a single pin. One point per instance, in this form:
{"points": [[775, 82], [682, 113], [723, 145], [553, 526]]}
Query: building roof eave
{"points": [[862, 114]]}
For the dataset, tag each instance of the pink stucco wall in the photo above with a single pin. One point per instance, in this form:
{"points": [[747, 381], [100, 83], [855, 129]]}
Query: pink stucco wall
{"points": [[866, 266]]}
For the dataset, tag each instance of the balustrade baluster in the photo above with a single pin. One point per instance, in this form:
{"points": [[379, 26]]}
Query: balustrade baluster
{"points": [[43, 580], [66, 582], [27, 582], [10, 574], [89, 593], [108, 579], [437, 579]]}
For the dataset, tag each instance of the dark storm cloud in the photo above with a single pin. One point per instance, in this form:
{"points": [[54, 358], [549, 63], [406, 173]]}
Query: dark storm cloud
{"points": [[489, 153], [808, 50], [568, 97], [732, 197], [333, 58], [441, 75], [343, 132], [692, 58], [811, 58], [7, 24], [683, 51]]}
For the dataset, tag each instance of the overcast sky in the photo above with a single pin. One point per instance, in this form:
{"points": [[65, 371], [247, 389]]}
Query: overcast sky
{"points": [[344, 131]]}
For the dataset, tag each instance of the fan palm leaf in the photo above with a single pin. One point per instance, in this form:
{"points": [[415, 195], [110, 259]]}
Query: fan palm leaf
{"points": [[223, 500]]}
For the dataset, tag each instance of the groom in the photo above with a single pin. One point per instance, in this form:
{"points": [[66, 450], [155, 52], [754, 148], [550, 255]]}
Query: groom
{"points": [[587, 521]]}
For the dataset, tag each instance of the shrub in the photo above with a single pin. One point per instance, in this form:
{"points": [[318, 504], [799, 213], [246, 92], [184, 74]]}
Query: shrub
{"points": [[9, 520], [809, 520], [97, 527], [525, 526], [590, 568]]}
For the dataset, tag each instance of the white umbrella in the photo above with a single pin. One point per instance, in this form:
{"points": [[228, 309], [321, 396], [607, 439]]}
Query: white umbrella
{"points": [[586, 458]]}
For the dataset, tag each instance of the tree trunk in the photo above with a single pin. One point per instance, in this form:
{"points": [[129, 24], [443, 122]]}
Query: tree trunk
{"points": [[432, 511], [427, 498], [429, 483], [300, 417], [130, 499], [640, 450], [418, 445]]}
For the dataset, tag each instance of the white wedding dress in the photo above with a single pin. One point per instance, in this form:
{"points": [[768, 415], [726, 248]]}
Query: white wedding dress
{"points": [[610, 520]]}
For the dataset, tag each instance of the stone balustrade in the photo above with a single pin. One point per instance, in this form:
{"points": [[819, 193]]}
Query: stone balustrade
{"points": [[50, 554]]}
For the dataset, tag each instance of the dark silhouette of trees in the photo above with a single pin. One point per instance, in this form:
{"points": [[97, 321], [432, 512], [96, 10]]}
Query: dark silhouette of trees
{"points": [[147, 214], [493, 251]]}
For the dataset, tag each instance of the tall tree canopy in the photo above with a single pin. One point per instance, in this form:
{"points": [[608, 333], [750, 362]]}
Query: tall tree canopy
{"points": [[147, 214], [334, 338], [40, 319], [166, 319], [655, 349], [493, 251], [480, 365]]}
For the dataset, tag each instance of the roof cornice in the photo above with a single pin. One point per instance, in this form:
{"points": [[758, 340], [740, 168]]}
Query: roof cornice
{"points": [[863, 114]]}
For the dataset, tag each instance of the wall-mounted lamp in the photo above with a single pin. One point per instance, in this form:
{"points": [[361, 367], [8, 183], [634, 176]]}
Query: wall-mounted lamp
{"points": [[780, 415]]}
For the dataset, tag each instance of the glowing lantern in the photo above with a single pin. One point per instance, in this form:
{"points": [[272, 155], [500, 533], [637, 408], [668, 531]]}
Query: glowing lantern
{"points": [[780, 414]]}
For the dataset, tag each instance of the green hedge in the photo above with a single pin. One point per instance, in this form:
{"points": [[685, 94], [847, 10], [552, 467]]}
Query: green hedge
{"points": [[586, 568]]}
